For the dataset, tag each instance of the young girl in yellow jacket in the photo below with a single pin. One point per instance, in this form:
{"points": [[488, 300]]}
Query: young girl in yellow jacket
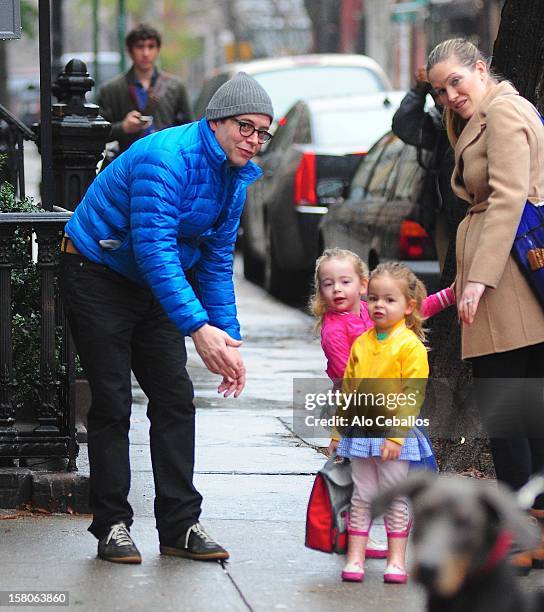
{"points": [[392, 350]]}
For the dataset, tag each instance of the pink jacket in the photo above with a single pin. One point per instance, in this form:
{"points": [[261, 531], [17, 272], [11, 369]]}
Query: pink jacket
{"points": [[340, 329]]}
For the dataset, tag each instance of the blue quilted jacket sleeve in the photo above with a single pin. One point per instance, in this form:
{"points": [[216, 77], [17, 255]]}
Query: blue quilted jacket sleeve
{"points": [[156, 200], [214, 275]]}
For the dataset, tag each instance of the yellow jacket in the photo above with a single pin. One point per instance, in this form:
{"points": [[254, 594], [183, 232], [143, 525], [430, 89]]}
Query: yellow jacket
{"points": [[401, 358]]}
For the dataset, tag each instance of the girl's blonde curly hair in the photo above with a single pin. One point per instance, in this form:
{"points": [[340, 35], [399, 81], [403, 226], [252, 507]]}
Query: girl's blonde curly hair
{"points": [[316, 304], [412, 289]]}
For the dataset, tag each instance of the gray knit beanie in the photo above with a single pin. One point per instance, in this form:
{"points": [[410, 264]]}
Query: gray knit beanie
{"points": [[239, 96]]}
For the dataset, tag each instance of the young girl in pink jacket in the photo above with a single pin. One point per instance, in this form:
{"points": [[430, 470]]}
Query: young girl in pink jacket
{"points": [[340, 280]]}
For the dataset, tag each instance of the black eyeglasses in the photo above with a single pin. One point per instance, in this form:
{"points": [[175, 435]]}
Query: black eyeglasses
{"points": [[247, 129]]}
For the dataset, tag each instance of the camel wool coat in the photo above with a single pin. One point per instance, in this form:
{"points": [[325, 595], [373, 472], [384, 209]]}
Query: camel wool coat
{"points": [[499, 165]]}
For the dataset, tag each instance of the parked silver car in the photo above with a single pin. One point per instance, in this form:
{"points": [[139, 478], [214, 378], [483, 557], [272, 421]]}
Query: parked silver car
{"points": [[288, 79]]}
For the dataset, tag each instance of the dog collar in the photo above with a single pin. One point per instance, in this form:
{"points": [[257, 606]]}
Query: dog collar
{"points": [[498, 552]]}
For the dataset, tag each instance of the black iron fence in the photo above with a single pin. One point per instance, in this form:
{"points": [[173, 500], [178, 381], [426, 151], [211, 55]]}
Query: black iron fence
{"points": [[45, 425]]}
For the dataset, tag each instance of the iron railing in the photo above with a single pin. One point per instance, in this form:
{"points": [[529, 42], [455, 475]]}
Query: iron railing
{"points": [[50, 430], [13, 133], [71, 138]]}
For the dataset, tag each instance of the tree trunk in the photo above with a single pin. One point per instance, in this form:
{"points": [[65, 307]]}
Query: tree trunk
{"points": [[233, 25], [459, 442], [518, 54], [325, 18]]}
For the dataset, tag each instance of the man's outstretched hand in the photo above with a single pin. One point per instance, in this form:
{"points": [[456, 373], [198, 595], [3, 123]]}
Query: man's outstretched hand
{"points": [[230, 386], [220, 355]]}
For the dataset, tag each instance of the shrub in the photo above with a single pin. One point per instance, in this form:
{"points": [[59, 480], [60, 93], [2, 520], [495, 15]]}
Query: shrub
{"points": [[25, 286], [26, 315]]}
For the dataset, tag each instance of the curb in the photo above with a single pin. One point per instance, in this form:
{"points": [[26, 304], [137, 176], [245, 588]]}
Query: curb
{"points": [[65, 492]]}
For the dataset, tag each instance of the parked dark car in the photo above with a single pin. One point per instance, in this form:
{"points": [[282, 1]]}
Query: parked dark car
{"points": [[380, 220], [307, 168]]}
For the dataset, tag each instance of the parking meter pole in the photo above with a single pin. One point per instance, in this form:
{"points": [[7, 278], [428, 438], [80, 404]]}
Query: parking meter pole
{"points": [[79, 135], [95, 45], [57, 37], [47, 186]]}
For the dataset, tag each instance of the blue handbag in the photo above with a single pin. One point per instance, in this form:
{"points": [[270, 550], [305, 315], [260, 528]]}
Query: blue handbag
{"points": [[528, 247]]}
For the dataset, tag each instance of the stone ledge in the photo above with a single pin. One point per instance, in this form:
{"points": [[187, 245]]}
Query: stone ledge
{"points": [[50, 491], [61, 492], [15, 487]]}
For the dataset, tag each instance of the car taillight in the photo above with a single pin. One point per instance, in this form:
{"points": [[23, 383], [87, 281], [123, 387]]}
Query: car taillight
{"points": [[414, 241], [305, 181]]}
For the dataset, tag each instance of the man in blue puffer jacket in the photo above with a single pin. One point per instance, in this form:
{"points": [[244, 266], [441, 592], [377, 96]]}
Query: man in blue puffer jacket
{"points": [[170, 203]]}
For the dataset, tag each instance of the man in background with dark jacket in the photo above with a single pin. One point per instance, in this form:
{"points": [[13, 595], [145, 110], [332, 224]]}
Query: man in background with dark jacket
{"points": [[169, 204], [144, 99], [425, 130], [442, 211]]}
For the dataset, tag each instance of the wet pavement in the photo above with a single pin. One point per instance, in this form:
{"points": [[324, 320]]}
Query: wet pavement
{"points": [[255, 477]]}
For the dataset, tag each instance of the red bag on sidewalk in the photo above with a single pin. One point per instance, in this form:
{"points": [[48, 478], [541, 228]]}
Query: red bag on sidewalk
{"points": [[329, 503]]}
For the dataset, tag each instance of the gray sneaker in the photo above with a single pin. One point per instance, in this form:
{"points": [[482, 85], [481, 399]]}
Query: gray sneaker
{"points": [[118, 546], [196, 544]]}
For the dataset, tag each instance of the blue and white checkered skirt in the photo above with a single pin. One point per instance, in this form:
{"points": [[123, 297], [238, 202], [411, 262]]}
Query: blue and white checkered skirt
{"points": [[416, 447]]}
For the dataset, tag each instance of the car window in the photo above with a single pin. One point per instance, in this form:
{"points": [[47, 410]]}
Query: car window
{"points": [[285, 133], [364, 171], [371, 162], [355, 127], [383, 172], [410, 175], [303, 132], [287, 86]]}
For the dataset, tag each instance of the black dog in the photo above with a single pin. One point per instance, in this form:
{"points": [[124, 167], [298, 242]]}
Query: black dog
{"points": [[461, 538]]}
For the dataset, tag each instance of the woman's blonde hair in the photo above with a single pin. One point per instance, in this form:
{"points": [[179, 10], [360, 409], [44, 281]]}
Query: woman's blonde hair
{"points": [[466, 54], [412, 288], [316, 304]]}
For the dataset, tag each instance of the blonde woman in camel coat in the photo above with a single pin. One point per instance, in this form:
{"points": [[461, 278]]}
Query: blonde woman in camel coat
{"points": [[498, 139]]}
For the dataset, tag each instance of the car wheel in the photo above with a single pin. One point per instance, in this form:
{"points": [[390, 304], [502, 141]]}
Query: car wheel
{"points": [[253, 267], [274, 277], [279, 282]]}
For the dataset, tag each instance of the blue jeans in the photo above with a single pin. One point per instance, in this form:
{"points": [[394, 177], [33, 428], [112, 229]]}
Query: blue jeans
{"points": [[117, 327]]}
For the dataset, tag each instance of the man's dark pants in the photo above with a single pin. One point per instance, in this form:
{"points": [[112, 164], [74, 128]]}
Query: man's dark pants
{"points": [[118, 326]]}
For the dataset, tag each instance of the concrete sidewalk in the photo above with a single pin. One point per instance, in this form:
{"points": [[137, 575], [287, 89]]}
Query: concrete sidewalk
{"points": [[255, 478]]}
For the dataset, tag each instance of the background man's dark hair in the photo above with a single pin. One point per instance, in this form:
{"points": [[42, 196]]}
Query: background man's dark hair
{"points": [[142, 32]]}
